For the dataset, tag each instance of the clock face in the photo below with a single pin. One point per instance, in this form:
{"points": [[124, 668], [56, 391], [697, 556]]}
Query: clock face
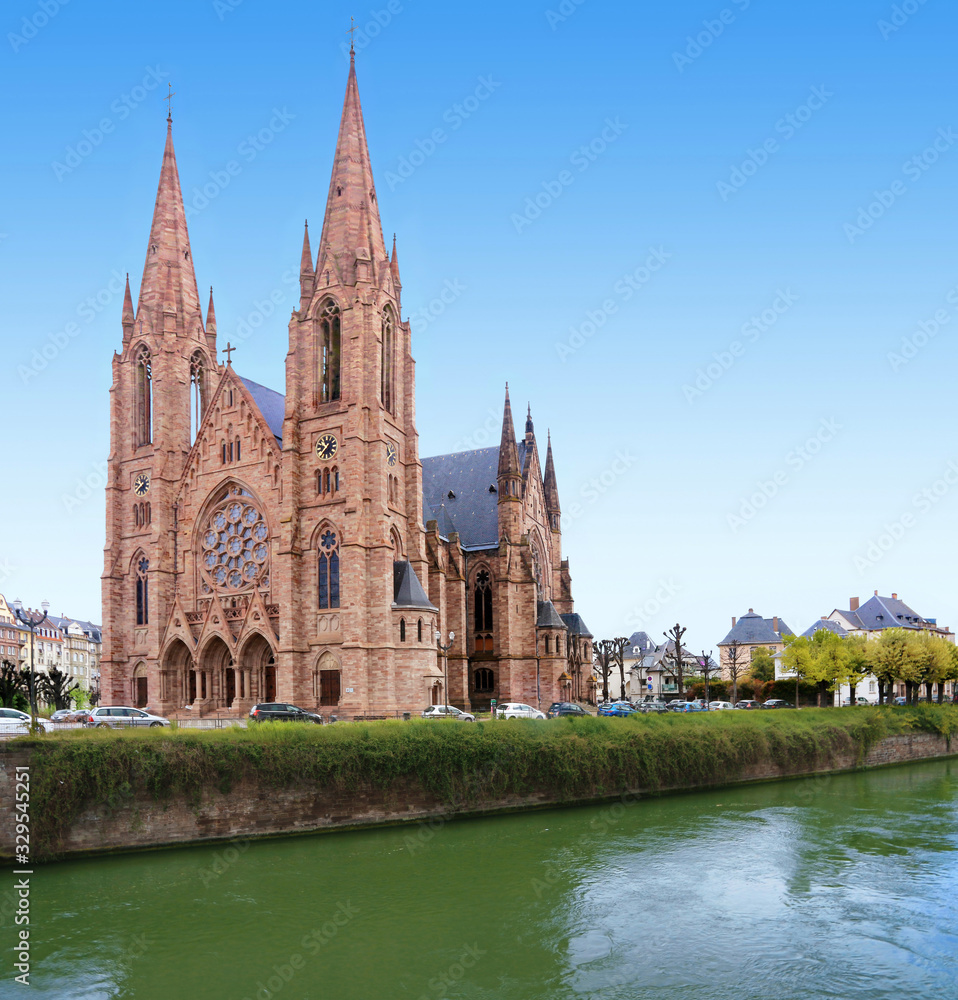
{"points": [[141, 485], [391, 454], [327, 446]]}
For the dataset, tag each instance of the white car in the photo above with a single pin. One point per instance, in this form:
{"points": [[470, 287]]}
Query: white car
{"points": [[720, 706], [121, 716], [16, 723], [515, 710], [447, 712]]}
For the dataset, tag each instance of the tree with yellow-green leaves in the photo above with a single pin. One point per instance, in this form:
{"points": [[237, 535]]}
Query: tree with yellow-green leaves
{"points": [[895, 655], [858, 663], [798, 659], [935, 664]]}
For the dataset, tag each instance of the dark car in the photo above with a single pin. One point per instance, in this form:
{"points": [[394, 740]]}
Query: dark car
{"points": [[777, 703], [676, 706], [648, 707], [748, 704], [280, 711], [558, 708]]}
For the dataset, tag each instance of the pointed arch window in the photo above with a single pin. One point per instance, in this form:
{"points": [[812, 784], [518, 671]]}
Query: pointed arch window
{"points": [[419, 631], [142, 591], [387, 388], [482, 607], [402, 629], [143, 397], [484, 680], [199, 391], [328, 569], [328, 352]]}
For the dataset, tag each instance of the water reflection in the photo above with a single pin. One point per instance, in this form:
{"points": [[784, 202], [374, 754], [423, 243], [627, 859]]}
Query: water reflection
{"points": [[834, 887]]}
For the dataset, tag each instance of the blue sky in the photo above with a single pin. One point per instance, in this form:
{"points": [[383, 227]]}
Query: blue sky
{"points": [[791, 162]]}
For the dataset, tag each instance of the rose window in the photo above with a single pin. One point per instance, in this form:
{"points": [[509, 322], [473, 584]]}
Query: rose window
{"points": [[236, 547]]}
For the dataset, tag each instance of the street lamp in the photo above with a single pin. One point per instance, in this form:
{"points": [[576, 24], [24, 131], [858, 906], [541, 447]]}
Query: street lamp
{"points": [[33, 624], [445, 661]]}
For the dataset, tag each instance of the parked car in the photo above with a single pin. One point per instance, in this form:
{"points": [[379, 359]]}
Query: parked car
{"points": [[447, 712], [558, 708], [720, 706], [701, 702], [777, 703], [692, 706], [858, 701], [124, 717], [900, 700], [280, 711], [620, 709], [516, 710], [60, 715], [748, 703], [12, 720], [677, 706], [78, 715], [650, 707]]}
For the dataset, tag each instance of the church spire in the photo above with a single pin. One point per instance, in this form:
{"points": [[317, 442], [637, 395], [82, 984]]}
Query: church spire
{"points": [[307, 276], [551, 487], [352, 212], [394, 265], [168, 255], [128, 317], [211, 317], [508, 452]]}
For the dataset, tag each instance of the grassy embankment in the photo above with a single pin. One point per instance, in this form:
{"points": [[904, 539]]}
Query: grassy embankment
{"points": [[461, 763]]}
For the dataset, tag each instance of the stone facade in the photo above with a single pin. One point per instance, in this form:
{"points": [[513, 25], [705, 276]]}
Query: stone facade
{"points": [[266, 547]]}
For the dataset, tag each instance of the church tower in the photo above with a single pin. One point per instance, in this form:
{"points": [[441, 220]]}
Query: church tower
{"points": [[161, 382], [354, 543]]}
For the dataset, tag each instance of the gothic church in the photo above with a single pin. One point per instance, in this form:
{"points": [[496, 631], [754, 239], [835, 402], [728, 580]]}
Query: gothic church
{"points": [[262, 547]]}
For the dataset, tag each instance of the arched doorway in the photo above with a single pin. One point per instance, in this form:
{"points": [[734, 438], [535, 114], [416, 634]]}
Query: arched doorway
{"points": [[328, 682], [215, 659], [255, 678], [140, 687], [178, 676]]}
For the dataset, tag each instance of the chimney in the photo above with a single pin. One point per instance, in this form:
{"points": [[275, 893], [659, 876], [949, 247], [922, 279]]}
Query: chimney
{"points": [[775, 624], [853, 604], [876, 593], [894, 597], [733, 621]]}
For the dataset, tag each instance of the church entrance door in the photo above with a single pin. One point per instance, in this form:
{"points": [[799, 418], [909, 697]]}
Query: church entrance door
{"points": [[141, 692], [230, 686], [269, 680]]}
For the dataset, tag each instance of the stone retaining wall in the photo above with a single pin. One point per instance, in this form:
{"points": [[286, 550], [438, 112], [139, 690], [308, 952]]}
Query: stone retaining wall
{"points": [[135, 821]]}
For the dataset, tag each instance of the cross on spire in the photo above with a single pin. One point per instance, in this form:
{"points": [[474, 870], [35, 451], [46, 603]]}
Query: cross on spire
{"points": [[351, 32], [169, 102], [228, 351]]}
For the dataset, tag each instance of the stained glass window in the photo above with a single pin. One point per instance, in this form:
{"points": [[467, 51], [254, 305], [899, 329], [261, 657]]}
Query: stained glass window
{"points": [[328, 569], [235, 545]]}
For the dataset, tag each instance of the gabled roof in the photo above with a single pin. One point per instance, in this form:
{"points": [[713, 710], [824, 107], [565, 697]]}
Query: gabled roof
{"points": [[547, 616], [885, 612], [754, 629], [576, 625], [824, 624], [643, 641], [271, 404]]}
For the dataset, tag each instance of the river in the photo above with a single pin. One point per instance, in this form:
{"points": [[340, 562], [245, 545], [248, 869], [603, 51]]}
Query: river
{"points": [[843, 886]]}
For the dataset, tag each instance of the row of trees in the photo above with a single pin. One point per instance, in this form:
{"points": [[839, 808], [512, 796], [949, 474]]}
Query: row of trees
{"points": [[56, 689], [917, 659]]}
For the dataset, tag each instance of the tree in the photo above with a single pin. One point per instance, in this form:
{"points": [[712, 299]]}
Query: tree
{"points": [[735, 662], [763, 665], [604, 660], [934, 662], [709, 667], [56, 688], [829, 655], [12, 683], [618, 657], [798, 659], [895, 656], [675, 635], [858, 664]]}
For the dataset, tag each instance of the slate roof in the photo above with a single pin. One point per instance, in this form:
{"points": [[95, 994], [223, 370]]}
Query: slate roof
{"points": [[886, 612], [472, 510], [576, 625], [643, 640], [271, 404], [547, 616], [755, 629], [828, 625], [407, 590]]}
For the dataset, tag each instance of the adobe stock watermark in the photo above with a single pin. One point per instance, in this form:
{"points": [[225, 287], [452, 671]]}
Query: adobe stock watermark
{"points": [[914, 168], [597, 486], [455, 116], [796, 460], [264, 308], [426, 315], [121, 108], [56, 343], [85, 487], [31, 26], [712, 29], [787, 127], [372, 29], [927, 330], [442, 982], [224, 7], [923, 502], [901, 14], [630, 284], [751, 331], [6, 571], [486, 434], [562, 13], [644, 614], [224, 860], [581, 158], [247, 150]]}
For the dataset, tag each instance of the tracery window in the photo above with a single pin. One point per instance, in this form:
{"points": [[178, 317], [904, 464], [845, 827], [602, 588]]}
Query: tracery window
{"points": [[483, 612], [328, 569], [142, 591], [328, 350], [198, 391], [484, 680], [143, 402], [235, 545]]}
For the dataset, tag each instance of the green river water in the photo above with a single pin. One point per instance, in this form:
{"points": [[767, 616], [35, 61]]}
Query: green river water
{"points": [[843, 886]]}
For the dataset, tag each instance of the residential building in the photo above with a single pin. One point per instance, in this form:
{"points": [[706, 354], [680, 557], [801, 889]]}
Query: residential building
{"points": [[750, 634]]}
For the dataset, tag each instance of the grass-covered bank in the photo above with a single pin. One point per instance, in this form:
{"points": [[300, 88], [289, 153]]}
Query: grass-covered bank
{"points": [[463, 765]]}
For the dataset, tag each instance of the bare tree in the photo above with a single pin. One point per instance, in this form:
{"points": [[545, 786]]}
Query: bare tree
{"points": [[675, 635], [604, 653], [709, 667], [12, 683], [618, 656], [735, 661]]}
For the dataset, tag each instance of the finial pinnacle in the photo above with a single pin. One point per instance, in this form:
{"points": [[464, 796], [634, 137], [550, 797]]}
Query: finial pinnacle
{"points": [[169, 104], [352, 38]]}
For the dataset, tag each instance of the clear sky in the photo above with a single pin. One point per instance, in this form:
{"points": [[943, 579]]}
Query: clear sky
{"points": [[712, 242]]}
